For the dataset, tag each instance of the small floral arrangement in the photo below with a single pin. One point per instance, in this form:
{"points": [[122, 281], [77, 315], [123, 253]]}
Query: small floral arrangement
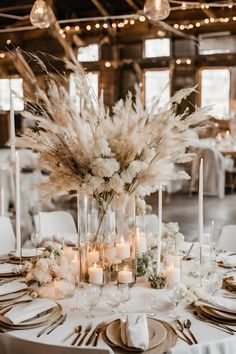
{"points": [[172, 238], [52, 264], [157, 281]]}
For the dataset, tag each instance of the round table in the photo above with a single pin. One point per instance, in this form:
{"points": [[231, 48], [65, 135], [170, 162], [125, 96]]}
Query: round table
{"points": [[211, 340]]}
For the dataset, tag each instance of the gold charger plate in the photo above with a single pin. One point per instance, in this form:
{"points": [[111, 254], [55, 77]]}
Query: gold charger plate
{"points": [[37, 321], [168, 342], [212, 316], [14, 295], [225, 315]]}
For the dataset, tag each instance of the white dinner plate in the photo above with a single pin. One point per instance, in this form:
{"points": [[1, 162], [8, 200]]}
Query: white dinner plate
{"points": [[27, 253]]}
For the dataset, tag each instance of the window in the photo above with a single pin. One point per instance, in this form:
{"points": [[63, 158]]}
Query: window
{"points": [[16, 85], [88, 53], [215, 91], [93, 80], [216, 43], [157, 84], [157, 48]]}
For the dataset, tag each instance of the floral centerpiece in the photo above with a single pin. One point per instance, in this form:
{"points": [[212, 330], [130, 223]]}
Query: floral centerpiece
{"points": [[52, 264], [108, 153]]}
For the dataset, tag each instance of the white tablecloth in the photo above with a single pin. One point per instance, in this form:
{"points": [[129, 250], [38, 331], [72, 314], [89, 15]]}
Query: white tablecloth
{"points": [[211, 340]]}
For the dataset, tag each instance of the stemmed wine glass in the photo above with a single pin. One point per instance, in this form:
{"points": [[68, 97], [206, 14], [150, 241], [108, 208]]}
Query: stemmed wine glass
{"points": [[125, 295], [176, 294], [91, 296], [114, 298], [36, 239]]}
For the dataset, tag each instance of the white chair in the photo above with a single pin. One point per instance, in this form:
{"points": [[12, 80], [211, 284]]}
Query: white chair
{"points": [[7, 236], [150, 223], [227, 239], [215, 166], [52, 222]]}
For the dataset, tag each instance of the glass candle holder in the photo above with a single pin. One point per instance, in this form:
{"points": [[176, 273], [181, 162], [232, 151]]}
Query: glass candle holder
{"points": [[173, 269]]}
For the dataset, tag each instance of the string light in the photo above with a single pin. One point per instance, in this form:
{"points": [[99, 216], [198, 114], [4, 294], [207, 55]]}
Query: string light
{"points": [[2, 55], [105, 25], [97, 25], [184, 5], [61, 31], [77, 28], [107, 64], [8, 42], [88, 28], [67, 28], [142, 18], [178, 61], [126, 21], [132, 22], [113, 25]]}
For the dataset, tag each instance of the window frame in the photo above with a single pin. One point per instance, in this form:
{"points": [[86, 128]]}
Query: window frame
{"points": [[14, 78], [156, 69], [199, 80], [159, 57]]}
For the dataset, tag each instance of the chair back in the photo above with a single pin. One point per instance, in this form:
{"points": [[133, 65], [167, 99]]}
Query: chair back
{"points": [[51, 223], [7, 236], [227, 239]]}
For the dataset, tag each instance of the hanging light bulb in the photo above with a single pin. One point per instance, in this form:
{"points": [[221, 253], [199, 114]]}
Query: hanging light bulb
{"points": [[156, 10], [41, 14]]}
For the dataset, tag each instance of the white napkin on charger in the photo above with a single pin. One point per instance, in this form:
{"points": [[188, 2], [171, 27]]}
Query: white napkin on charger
{"points": [[220, 303], [23, 312], [12, 287], [8, 268], [134, 331], [229, 261]]}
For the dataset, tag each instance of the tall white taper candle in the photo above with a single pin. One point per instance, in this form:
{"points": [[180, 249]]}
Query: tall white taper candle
{"points": [[17, 205], [12, 127], [2, 205], [159, 229], [200, 204]]}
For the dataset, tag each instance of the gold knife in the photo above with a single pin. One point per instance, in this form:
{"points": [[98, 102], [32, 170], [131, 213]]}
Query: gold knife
{"points": [[60, 322]]}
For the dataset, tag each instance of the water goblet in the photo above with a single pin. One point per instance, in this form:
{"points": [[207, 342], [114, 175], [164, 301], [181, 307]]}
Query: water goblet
{"points": [[36, 239], [125, 295], [91, 298], [176, 294], [114, 298], [151, 305]]}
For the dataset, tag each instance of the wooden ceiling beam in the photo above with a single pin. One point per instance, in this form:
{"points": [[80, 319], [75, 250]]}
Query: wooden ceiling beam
{"points": [[24, 70], [132, 4], [103, 12], [209, 12]]}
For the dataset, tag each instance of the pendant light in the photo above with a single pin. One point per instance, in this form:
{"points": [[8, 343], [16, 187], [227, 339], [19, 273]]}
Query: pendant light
{"points": [[41, 15], [156, 10]]}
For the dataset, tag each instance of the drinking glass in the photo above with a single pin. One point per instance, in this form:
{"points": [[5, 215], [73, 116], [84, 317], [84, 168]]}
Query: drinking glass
{"points": [[114, 298], [91, 296], [36, 239], [125, 295], [212, 282], [151, 305], [176, 294]]}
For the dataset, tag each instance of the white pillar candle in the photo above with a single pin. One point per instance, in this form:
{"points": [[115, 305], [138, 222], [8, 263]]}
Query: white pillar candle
{"points": [[95, 274], [110, 253], [141, 242], [122, 249], [200, 204], [12, 127], [93, 257], [75, 266], [172, 276], [125, 276], [17, 204], [2, 205], [159, 229]]}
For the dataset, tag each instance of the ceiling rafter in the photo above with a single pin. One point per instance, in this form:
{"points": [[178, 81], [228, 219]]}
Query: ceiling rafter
{"points": [[132, 4], [103, 12]]}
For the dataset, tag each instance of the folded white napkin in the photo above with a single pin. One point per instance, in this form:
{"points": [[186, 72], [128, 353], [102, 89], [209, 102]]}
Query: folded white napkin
{"points": [[23, 312], [8, 268], [29, 252], [229, 261], [134, 331], [12, 287], [221, 303]]}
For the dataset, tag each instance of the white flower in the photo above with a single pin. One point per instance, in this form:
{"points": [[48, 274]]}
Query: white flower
{"points": [[172, 227], [116, 183], [134, 168], [103, 147], [105, 167], [43, 264], [41, 276]]}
